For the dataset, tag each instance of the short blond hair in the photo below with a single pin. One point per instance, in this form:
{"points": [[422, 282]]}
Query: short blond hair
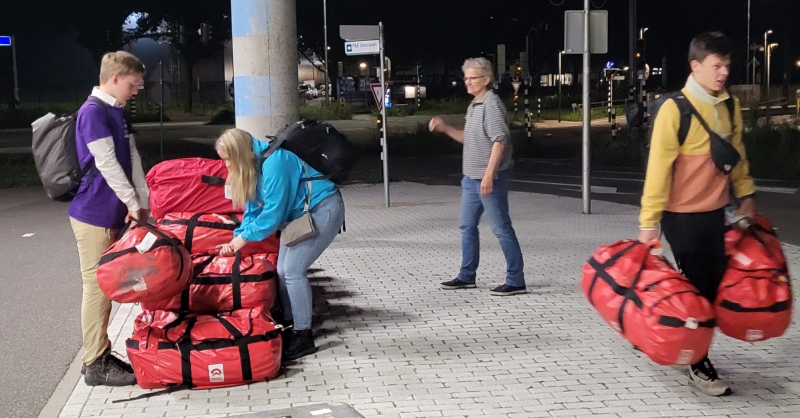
{"points": [[120, 62]]}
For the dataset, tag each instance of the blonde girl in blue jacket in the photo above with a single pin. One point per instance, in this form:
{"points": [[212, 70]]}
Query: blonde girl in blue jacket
{"points": [[272, 196]]}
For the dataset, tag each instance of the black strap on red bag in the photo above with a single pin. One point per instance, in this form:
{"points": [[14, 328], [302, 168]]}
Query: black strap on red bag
{"points": [[195, 222], [185, 347]]}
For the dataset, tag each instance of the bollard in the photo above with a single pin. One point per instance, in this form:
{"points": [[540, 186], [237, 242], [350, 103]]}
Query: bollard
{"points": [[539, 109]]}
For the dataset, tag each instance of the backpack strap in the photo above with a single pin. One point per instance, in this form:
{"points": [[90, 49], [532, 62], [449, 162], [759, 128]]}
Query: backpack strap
{"points": [[731, 105], [109, 122], [685, 111]]}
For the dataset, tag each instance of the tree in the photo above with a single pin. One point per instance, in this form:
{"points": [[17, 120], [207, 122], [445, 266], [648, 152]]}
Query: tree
{"points": [[178, 22]]}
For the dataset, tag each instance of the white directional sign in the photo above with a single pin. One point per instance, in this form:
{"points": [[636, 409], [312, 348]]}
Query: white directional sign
{"points": [[362, 47]]}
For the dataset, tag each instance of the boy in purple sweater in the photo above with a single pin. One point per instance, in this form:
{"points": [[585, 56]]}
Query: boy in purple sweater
{"points": [[113, 191]]}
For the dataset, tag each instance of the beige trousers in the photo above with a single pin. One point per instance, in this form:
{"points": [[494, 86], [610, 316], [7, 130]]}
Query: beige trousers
{"points": [[95, 306]]}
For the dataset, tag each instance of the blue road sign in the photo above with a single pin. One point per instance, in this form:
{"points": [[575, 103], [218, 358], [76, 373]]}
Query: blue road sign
{"points": [[5, 41]]}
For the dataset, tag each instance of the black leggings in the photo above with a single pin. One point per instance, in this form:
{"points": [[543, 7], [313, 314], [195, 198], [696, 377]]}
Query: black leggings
{"points": [[698, 244]]}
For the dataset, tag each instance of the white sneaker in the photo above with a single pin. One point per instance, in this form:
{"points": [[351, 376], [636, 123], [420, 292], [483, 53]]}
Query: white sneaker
{"points": [[704, 377]]}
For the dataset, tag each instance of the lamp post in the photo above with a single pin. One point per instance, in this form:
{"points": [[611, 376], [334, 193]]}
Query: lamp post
{"points": [[769, 59], [325, 28], [766, 67]]}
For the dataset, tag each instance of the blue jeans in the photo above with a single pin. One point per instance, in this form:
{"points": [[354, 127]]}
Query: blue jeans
{"points": [[293, 262], [496, 206]]}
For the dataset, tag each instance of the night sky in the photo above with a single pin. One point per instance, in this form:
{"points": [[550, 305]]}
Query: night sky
{"points": [[424, 30], [445, 32]]}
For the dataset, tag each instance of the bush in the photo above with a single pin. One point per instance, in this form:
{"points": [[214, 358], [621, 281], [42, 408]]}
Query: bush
{"points": [[627, 150], [225, 115], [334, 111], [774, 151]]}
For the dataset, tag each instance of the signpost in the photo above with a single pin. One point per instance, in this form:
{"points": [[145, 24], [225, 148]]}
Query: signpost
{"points": [[368, 40], [160, 93], [586, 33], [363, 47], [13, 94]]}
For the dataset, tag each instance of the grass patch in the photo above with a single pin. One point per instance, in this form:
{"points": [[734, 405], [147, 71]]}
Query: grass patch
{"points": [[773, 151], [420, 142], [627, 150], [334, 111], [18, 170], [226, 113]]}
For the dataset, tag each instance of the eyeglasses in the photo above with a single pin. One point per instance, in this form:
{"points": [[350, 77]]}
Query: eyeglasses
{"points": [[469, 79]]}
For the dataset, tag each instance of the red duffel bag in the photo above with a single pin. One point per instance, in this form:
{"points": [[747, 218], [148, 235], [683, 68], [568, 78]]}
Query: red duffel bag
{"points": [[145, 265], [204, 351], [224, 284], [754, 299], [650, 304], [201, 233], [188, 185]]}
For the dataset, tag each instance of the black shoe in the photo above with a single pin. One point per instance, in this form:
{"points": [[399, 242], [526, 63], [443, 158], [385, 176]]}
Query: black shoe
{"points": [[125, 366], [506, 290], [456, 284], [703, 376], [299, 344], [108, 370]]}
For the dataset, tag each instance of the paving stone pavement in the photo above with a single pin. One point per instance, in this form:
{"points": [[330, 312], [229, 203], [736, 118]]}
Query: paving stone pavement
{"points": [[394, 345]]}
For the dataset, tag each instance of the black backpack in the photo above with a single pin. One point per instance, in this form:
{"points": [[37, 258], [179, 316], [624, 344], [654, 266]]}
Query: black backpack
{"points": [[686, 111], [319, 145]]}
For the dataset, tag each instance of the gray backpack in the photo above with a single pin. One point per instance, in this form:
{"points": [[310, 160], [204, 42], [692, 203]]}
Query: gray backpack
{"points": [[55, 154]]}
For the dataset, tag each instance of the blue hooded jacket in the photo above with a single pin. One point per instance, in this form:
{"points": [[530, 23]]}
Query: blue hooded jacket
{"points": [[280, 195]]}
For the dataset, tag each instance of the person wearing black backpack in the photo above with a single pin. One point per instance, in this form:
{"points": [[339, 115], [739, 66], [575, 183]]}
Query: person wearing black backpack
{"points": [[278, 190], [696, 156], [112, 190]]}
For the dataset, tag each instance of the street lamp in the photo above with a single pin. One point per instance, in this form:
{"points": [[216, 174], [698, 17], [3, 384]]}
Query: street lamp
{"points": [[763, 79], [560, 81], [769, 58]]}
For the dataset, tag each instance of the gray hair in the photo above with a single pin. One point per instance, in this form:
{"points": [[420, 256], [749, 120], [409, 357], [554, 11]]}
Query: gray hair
{"points": [[482, 64]]}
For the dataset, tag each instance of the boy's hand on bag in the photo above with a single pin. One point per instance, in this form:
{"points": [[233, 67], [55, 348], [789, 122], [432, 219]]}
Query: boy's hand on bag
{"points": [[647, 236], [140, 216], [226, 250], [748, 208]]}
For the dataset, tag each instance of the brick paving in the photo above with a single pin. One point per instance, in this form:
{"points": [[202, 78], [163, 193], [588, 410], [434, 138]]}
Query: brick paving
{"points": [[393, 344]]}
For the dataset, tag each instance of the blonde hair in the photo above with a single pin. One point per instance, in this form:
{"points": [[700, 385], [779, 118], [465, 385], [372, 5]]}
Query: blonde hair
{"points": [[120, 62], [242, 176]]}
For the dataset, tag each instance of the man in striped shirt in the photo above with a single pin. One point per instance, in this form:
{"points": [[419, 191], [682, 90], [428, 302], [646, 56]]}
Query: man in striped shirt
{"points": [[487, 166]]}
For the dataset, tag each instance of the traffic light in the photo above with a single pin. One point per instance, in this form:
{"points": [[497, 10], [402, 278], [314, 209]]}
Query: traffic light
{"points": [[380, 122], [419, 74], [640, 55], [204, 32]]}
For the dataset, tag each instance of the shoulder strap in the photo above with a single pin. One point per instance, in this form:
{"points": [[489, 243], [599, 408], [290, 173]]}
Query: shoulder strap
{"points": [[730, 103], [685, 111]]}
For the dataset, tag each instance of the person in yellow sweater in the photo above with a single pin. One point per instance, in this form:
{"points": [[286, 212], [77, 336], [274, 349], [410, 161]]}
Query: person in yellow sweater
{"points": [[688, 185]]}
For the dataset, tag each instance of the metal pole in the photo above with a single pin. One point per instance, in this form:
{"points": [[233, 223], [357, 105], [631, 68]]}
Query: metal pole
{"points": [[765, 67], [747, 59], [769, 67], [14, 80], [632, 45], [385, 154], [325, 26], [161, 107], [560, 76], [587, 204]]}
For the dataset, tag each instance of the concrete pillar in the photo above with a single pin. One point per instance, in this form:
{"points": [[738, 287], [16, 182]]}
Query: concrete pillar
{"points": [[265, 64]]}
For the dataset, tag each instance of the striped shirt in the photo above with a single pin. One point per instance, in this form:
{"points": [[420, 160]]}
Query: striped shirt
{"points": [[485, 124]]}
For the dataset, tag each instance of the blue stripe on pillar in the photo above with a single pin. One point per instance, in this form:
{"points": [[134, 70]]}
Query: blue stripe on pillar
{"points": [[252, 95], [249, 17]]}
